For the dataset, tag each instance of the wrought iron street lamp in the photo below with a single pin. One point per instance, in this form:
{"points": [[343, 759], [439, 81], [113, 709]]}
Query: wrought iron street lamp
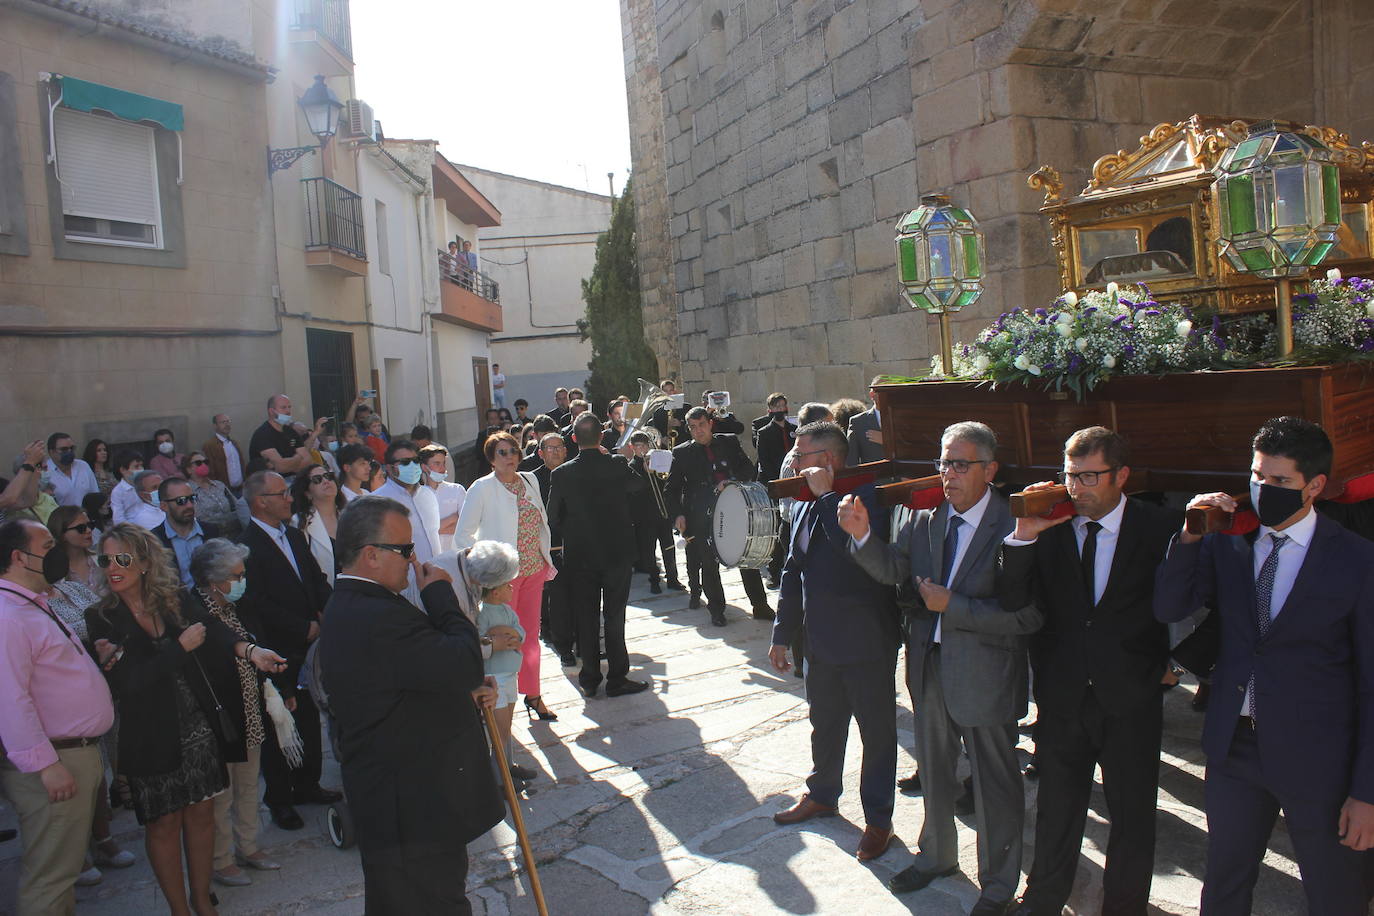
{"points": [[321, 107], [1280, 198], [940, 263]]}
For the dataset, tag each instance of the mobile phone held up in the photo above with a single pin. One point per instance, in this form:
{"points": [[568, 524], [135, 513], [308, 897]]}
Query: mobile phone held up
{"points": [[368, 393]]}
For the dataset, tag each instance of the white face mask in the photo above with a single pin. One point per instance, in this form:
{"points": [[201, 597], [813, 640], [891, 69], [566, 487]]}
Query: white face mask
{"points": [[166, 448], [438, 476]]}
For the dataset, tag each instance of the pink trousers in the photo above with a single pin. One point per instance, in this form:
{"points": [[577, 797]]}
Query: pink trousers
{"points": [[527, 598]]}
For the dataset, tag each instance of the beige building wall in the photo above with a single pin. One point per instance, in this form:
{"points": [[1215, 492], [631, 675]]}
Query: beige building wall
{"points": [[775, 144], [114, 350]]}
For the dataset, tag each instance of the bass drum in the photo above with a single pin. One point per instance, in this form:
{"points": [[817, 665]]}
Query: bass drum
{"points": [[744, 525]]}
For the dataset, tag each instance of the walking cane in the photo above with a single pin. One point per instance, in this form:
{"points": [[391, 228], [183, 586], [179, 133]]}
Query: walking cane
{"points": [[513, 801]]}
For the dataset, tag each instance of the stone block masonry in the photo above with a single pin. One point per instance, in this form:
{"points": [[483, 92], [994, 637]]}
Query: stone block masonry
{"points": [[797, 131]]}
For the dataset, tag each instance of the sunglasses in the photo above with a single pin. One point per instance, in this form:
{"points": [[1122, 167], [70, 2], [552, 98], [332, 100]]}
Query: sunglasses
{"points": [[507, 452], [196, 464], [405, 550], [402, 462], [79, 529], [105, 559], [321, 478], [183, 500]]}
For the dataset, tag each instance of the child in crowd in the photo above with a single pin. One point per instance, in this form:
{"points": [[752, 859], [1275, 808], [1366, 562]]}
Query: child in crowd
{"points": [[497, 620]]}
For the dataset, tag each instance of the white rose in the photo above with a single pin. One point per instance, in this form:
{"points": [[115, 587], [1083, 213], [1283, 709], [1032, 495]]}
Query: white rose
{"points": [[1033, 370], [1022, 362], [1081, 343], [1112, 289], [981, 362], [1071, 298], [1109, 361], [1184, 327], [1063, 329], [1333, 274]]}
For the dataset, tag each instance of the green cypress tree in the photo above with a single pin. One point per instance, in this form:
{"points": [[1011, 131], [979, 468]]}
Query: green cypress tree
{"points": [[615, 322]]}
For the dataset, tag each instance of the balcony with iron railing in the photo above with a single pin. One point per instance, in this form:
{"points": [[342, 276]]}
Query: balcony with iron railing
{"points": [[468, 297], [323, 31], [334, 237]]}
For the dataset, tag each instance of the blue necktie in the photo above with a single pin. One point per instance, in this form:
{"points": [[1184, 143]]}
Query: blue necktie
{"points": [[1264, 597], [947, 565]]}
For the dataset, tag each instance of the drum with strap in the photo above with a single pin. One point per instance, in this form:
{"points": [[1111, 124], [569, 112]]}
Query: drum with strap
{"points": [[744, 525]]}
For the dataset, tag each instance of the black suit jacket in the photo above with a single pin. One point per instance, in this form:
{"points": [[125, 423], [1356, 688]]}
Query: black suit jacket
{"points": [[411, 745], [773, 445], [589, 510], [284, 604], [143, 683], [1118, 646], [691, 484]]}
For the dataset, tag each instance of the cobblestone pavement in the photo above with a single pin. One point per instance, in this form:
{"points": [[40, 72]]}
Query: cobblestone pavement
{"points": [[661, 803]]}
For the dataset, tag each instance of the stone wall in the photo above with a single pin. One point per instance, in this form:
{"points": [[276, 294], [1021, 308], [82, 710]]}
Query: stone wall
{"points": [[795, 133]]}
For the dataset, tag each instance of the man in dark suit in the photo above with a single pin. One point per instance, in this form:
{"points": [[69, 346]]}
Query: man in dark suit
{"points": [[966, 662], [589, 514], [559, 413], [700, 469], [557, 614], [866, 431], [401, 684], [1098, 661], [287, 592], [649, 507], [1290, 724], [226, 458], [774, 436], [851, 638], [181, 533]]}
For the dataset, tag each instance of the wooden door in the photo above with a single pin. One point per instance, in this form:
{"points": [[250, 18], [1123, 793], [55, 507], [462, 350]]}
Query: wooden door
{"points": [[481, 387]]}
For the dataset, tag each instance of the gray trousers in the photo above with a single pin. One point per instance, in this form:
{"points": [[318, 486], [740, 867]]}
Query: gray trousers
{"points": [[997, 789]]}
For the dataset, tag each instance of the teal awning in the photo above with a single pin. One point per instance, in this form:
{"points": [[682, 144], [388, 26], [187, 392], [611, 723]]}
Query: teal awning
{"points": [[80, 95]]}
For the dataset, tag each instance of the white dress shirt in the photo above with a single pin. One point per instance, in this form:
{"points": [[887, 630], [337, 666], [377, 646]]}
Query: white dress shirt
{"points": [[1291, 558], [278, 535], [70, 485], [123, 500], [232, 468], [146, 516], [424, 527], [972, 519], [1107, 537]]}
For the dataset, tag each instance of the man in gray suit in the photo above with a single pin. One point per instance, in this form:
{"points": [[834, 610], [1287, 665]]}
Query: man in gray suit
{"points": [[865, 431], [966, 662]]}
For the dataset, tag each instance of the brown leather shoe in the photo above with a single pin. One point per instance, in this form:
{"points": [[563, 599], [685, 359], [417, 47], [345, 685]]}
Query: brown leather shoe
{"points": [[874, 842], [804, 810]]}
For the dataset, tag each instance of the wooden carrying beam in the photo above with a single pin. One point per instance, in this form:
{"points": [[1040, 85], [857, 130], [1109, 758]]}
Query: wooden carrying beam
{"points": [[793, 487], [897, 494], [1211, 519], [1037, 502]]}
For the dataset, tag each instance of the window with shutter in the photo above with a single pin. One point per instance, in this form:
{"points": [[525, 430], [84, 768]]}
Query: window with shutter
{"points": [[108, 172]]}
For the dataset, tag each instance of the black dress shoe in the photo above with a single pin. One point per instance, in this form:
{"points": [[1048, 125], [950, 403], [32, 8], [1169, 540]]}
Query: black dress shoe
{"points": [[625, 688], [764, 612], [567, 658], [590, 692], [718, 616], [912, 878], [317, 795], [676, 586], [910, 783], [655, 588], [694, 602], [1024, 907], [991, 907], [286, 817]]}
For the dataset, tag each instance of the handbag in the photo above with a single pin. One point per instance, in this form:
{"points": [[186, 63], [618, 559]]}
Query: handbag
{"points": [[229, 732]]}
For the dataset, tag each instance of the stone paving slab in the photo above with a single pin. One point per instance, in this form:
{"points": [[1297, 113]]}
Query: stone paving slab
{"points": [[662, 803]]}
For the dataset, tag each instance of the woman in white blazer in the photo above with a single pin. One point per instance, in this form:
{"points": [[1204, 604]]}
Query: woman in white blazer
{"points": [[317, 502], [505, 506]]}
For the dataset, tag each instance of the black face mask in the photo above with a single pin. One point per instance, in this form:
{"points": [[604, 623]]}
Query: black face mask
{"points": [[1274, 505], [56, 564], [66, 456]]}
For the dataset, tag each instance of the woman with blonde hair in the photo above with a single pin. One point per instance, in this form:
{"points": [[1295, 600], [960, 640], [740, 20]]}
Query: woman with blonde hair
{"points": [[174, 680]]}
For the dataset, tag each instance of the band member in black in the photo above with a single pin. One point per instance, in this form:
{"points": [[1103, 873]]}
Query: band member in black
{"points": [[653, 525], [700, 468]]}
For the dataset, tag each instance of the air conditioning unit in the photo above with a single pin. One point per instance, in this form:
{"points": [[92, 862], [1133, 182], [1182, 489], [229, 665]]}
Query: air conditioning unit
{"points": [[359, 122]]}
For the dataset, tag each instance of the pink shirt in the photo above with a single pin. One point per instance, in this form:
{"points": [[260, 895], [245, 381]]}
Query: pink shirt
{"points": [[49, 686]]}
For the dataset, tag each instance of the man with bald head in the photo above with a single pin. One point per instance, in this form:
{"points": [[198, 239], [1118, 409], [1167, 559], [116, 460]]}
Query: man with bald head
{"points": [[281, 444]]}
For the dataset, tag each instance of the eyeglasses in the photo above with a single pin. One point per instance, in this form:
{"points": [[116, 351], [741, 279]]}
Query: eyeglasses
{"points": [[321, 478], [405, 550], [276, 493], [196, 464], [1084, 478], [79, 529], [402, 462], [817, 451], [183, 500], [957, 465], [105, 559], [507, 452]]}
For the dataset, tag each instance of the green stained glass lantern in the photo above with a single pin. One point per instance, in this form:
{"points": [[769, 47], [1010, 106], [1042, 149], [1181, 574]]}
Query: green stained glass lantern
{"points": [[1280, 199], [940, 261]]}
